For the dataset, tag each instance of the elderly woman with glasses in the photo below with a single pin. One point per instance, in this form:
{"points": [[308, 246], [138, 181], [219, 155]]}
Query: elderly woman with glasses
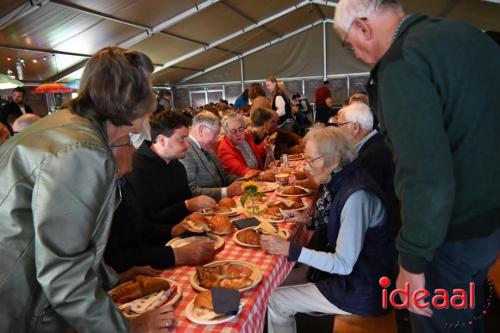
{"points": [[237, 153], [354, 239]]}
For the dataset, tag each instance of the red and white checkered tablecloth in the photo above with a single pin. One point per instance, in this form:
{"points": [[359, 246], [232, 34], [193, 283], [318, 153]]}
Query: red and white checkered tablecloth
{"points": [[274, 270]]}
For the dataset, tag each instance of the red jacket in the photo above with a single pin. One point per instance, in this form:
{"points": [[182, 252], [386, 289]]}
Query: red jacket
{"points": [[231, 158], [321, 94]]}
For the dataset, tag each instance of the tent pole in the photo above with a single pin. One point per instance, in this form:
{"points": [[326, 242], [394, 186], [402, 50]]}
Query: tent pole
{"points": [[324, 52], [242, 75]]}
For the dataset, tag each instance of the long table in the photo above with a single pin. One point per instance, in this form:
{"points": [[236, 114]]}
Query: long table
{"points": [[274, 270]]}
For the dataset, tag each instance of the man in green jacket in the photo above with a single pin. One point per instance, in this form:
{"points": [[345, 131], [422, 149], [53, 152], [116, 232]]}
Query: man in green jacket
{"points": [[57, 197], [434, 87]]}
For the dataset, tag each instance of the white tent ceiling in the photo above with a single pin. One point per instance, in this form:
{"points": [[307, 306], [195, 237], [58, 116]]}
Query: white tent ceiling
{"points": [[194, 41]]}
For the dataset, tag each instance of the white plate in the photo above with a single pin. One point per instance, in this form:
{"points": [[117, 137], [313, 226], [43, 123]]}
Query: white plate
{"points": [[237, 241], [179, 241], [256, 274], [191, 315], [232, 212], [265, 217], [267, 186], [279, 192], [304, 203], [172, 300], [284, 232]]}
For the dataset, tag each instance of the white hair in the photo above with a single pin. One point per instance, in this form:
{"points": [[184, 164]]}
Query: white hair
{"points": [[359, 113], [206, 118], [332, 143], [349, 10], [230, 117]]}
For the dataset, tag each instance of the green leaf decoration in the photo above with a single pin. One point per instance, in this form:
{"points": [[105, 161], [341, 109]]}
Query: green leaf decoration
{"points": [[243, 199]]}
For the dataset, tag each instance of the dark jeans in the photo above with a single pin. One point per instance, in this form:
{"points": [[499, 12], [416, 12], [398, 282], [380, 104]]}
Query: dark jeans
{"points": [[455, 265]]}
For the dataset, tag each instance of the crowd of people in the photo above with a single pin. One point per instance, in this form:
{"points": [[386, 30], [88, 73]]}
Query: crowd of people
{"points": [[406, 177]]}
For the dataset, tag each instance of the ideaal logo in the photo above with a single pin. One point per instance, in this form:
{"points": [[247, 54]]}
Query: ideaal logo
{"points": [[440, 299]]}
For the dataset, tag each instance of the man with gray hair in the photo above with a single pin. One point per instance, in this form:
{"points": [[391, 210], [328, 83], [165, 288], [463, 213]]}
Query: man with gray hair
{"points": [[356, 120], [434, 87], [204, 172]]}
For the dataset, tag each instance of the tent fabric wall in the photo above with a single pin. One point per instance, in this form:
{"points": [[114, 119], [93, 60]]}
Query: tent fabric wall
{"points": [[300, 55], [338, 59], [297, 56]]}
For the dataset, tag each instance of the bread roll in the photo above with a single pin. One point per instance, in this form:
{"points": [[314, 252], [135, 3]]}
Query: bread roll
{"points": [[220, 224], [204, 300], [227, 203], [150, 284], [300, 175], [196, 222]]}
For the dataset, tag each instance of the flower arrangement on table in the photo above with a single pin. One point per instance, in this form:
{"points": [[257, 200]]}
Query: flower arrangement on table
{"points": [[250, 191]]}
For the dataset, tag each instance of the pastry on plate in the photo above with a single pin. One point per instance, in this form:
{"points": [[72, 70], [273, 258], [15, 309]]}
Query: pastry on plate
{"points": [[273, 213], [196, 222], [203, 301], [300, 175], [249, 236], [220, 224], [294, 190], [142, 285], [225, 205], [224, 275]]}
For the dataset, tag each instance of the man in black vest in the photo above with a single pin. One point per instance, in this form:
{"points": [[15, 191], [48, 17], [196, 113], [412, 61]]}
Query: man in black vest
{"points": [[356, 120], [15, 109]]}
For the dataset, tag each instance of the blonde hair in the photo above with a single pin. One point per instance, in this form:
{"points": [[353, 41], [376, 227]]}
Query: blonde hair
{"points": [[332, 144]]}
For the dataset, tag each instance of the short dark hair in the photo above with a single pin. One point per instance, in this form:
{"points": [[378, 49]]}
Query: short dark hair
{"points": [[166, 122], [260, 115], [115, 86], [326, 82], [20, 89]]}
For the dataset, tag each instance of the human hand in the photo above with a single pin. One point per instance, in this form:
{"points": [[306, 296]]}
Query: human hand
{"points": [[199, 202], [137, 270], [195, 253], [160, 320], [269, 174], [415, 281], [252, 173], [295, 216], [234, 189], [274, 244]]}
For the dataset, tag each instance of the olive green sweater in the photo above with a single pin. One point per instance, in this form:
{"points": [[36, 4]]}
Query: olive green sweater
{"points": [[437, 96]]}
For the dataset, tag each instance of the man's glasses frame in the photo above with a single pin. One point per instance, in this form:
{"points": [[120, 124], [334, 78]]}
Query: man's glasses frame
{"points": [[311, 160], [345, 44]]}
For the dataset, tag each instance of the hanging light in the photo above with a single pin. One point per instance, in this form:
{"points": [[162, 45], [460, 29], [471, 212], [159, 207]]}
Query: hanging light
{"points": [[20, 68]]}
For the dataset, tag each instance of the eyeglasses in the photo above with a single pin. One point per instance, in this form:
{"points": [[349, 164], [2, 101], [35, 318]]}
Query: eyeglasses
{"points": [[345, 44], [311, 160], [342, 124], [237, 130], [212, 129]]}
